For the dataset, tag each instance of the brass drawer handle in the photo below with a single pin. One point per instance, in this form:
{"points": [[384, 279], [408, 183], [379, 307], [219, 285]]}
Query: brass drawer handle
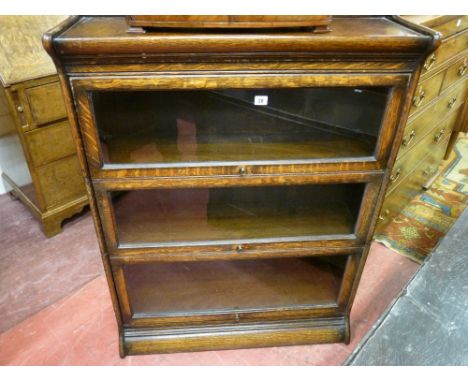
{"points": [[439, 135], [419, 99], [452, 102], [462, 68], [430, 62], [242, 171], [405, 141], [429, 171], [384, 215], [394, 177], [239, 248], [22, 118]]}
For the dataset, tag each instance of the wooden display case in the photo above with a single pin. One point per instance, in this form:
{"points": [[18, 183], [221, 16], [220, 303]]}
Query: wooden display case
{"points": [[236, 178]]}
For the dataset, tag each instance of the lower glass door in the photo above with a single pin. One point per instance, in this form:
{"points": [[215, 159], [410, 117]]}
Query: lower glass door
{"points": [[223, 287]]}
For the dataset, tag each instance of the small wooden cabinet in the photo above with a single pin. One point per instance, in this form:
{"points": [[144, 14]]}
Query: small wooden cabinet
{"points": [[236, 177], [436, 115], [32, 105]]}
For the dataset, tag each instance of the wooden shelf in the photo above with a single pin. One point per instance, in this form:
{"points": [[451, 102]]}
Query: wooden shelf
{"points": [[229, 214], [144, 149], [171, 289]]}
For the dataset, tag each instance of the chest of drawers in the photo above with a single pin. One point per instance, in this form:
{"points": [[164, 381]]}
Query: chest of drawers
{"points": [[436, 116], [236, 177], [32, 107]]}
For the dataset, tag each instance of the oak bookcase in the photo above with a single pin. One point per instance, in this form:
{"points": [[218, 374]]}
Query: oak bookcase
{"points": [[236, 176]]}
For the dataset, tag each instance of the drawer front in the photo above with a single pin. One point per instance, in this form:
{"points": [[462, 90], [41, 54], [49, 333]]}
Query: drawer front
{"points": [[456, 72], [398, 197], [426, 91], [245, 125], [432, 142], [439, 109], [448, 49], [452, 27], [417, 129], [61, 181], [46, 103], [50, 143]]}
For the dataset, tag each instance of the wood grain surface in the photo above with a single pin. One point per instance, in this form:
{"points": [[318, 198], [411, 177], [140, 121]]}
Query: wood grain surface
{"points": [[22, 56], [97, 56]]}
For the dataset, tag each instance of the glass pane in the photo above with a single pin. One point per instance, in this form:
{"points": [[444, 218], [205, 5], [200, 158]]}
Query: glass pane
{"points": [[238, 124], [229, 286], [226, 214]]}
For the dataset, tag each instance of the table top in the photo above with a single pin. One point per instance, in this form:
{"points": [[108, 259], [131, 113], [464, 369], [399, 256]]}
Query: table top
{"points": [[22, 56]]}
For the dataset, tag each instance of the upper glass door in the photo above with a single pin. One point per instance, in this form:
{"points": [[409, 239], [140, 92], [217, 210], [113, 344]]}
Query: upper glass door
{"points": [[178, 125], [231, 125]]}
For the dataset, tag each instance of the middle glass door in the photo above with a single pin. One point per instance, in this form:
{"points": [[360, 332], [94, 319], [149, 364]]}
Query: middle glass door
{"points": [[229, 214]]}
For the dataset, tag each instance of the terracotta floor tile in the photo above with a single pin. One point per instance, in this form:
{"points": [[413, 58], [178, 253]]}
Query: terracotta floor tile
{"points": [[383, 278], [319, 355], [36, 271]]}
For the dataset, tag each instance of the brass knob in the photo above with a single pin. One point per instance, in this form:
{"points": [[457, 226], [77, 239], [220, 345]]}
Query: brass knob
{"points": [[242, 171], [405, 141], [20, 109], [395, 176], [419, 99], [428, 171], [430, 62], [452, 102], [439, 135], [239, 248], [384, 214], [462, 68]]}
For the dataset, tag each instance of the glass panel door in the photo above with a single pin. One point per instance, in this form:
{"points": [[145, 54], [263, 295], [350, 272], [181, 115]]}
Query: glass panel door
{"points": [[227, 214], [209, 287], [230, 125]]}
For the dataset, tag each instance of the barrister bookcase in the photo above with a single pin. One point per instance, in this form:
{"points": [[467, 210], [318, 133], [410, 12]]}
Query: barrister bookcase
{"points": [[236, 176]]}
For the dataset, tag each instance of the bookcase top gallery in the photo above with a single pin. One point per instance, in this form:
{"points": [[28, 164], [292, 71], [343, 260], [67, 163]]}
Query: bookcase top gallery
{"points": [[110, 37]]}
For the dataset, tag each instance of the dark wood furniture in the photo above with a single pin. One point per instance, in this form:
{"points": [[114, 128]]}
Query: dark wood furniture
{"points": [[32, 113], [436, 115], [315, 23], [235, 177]]}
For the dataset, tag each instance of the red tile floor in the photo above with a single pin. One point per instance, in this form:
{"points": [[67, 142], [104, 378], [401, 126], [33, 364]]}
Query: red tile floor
{"points": [[79, 328]]}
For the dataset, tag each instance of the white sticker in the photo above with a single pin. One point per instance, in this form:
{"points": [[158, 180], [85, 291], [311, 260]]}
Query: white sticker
{"points": [[261, 100]]}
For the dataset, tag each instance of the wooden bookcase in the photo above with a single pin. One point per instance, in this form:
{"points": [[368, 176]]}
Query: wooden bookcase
{"points": [[236, 177]]}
